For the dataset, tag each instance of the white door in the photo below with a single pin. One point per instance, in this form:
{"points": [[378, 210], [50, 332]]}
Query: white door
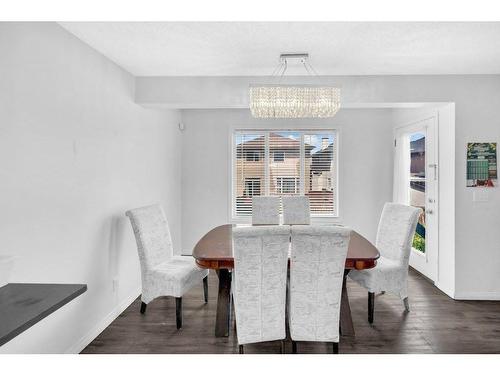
{"points": [[416, 184]]}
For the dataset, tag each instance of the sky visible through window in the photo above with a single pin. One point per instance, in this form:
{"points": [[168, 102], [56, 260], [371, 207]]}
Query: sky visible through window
{"points": [[416, 136]]}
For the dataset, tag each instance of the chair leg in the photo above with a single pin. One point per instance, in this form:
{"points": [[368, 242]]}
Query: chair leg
{"points": [[282, 347], [205, 288], [407, 304], [234, 314], [241, 349], [335, 348], [371, 306], [143, 307], [178, 311], [294, 347]]}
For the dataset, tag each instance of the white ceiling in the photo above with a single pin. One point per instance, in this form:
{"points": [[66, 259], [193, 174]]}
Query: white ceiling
{"points": [[247, 49]]}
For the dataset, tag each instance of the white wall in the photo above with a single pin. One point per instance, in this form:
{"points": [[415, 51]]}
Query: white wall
{"points": [[365, 166], [75, 153]]}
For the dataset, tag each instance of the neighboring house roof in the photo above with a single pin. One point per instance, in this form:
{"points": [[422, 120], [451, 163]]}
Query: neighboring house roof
{"points": [[276, 141]]}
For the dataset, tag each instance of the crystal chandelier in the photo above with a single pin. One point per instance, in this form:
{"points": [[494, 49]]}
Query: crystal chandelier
{"points": [[294, 101]]}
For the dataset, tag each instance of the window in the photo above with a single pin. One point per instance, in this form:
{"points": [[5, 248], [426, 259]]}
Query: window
{"points": [[278, 156], [416, 188], [298, 162], [322, 172], [248, 161], [252, 187], [287, 185], [253, 156]]}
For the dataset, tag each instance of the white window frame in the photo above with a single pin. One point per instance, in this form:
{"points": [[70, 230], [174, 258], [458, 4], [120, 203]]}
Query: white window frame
{"points": [[319, 218]]}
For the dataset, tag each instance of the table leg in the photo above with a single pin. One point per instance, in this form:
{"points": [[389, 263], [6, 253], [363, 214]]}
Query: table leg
{"points": [[346, 326], [223, 318]]}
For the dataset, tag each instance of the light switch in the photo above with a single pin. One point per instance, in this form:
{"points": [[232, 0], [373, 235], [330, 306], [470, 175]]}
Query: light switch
{"points": [[480, 195]]}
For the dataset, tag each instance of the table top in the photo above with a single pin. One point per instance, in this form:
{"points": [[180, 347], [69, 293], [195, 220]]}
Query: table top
{"points": [[23, 305], [215, 250]]}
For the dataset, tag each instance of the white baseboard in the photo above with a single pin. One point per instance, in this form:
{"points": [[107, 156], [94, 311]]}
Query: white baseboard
{"points": [[470, 296], [448, 291], [88, 338], [478, 296]]}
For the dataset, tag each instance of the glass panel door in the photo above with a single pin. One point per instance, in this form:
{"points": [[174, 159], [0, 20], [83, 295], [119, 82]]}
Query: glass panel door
{"points": [[416, 178], [416, 184]]}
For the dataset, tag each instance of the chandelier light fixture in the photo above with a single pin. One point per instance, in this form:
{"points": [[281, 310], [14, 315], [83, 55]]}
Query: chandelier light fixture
{"points": [[293, 101]]}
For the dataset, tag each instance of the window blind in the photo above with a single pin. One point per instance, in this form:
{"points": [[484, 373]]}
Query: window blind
{"points": [[249, 170], [278, 163], [322, 176], [284, 163]]}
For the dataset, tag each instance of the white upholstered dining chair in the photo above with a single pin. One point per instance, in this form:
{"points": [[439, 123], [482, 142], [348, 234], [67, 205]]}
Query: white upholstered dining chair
{"points": [[394, 240], [259, 283], [162, 273], [265, 210], [316, 275], [296, 210]]}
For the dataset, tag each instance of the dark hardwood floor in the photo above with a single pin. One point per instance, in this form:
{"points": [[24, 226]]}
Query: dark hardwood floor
{"points": [[435, 324]]}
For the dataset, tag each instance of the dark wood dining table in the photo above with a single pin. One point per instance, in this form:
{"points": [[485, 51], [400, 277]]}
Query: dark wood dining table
{"points": [[215, 251]]}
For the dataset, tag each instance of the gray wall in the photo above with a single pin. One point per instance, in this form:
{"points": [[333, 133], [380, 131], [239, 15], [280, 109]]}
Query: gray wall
{"points": [[75, 153]]}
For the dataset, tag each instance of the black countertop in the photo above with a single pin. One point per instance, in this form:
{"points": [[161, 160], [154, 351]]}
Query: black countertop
{"points": [[23, 305]]}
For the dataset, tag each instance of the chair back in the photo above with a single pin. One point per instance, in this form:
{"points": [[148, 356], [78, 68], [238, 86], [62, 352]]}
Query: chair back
{"points": [[395, 231], [152, 235], [265, 210], [296, 210], [316, 276], [259, 282]]}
